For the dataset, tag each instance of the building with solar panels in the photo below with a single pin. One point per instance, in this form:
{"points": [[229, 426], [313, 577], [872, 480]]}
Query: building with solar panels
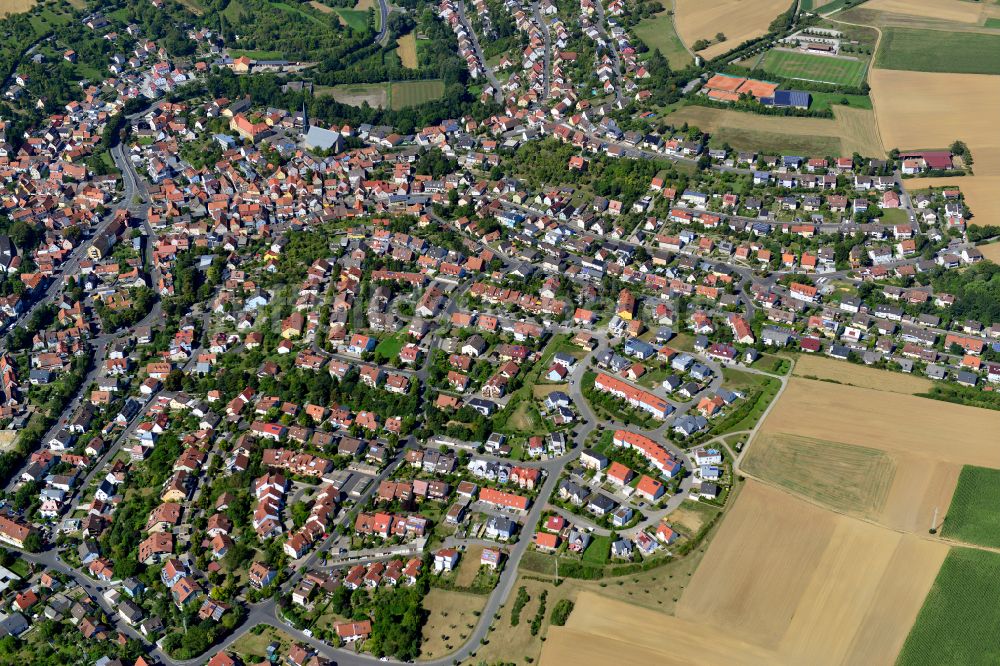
{"points": [[788, 99]]}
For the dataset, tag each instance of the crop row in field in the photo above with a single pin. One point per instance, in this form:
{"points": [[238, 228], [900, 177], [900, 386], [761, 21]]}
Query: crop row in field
{"points": [[957, 623], [973, 516]]}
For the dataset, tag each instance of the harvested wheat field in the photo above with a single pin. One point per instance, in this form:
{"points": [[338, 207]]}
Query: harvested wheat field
{"points": [[406, 49], [927, 440], [813, 586], [930, 110], [823, 367], [589, 638], [958, 11], [851, 130], [848, 478], [889, 421], [784, 582], [739, 20], [15, 6], [980, 192], [316, 4], [991, 251]]}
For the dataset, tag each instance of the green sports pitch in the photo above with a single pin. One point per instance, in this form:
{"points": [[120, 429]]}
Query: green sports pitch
{"points": [[808, 67]]}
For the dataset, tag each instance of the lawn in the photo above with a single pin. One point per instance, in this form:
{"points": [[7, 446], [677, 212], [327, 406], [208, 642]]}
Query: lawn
{"points": [[255, 55], [822, 101], [298, 10], [390, 346], [657, 32], [20, 567], [893, 216], [774, 364], [253, 647], [937, 51], [403, 94], [524, 419], [973, 515], [598, 551], [958, 621], [809, 67], [746, 413], [992, 23], [468, 568], [738, 380]]}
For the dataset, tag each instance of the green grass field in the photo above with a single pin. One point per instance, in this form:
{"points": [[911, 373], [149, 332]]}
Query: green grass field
{"points": [[356, 19], [973, 515], [403, 94], [256, 55], [397, 95], [657, 32], [822, 101], [794, 65], [598, 551], [391, 345], [992, 23], [957, 624], [938, 51]]}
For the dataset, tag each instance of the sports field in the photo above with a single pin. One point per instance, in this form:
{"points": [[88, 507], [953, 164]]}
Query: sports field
{"points": [[852, 479], [738, 20], [973, 516], [958, 621], [809, 67], [823, 367], [939, 51], [657, 32], [851, 130]]}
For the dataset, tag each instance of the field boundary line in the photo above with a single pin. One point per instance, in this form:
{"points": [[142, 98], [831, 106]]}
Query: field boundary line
{"points": [[868, 70], [933, 538], [738, 470]]}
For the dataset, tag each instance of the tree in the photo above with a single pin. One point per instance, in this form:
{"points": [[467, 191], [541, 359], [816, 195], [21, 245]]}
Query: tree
{"points": [[33, 542]]}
